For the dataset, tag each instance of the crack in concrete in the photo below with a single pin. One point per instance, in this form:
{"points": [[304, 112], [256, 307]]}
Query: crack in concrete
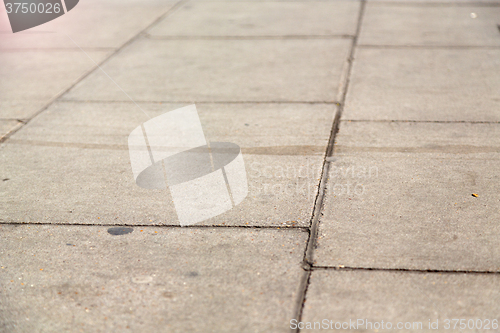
{"points": [[318, 205], [406, 270]]}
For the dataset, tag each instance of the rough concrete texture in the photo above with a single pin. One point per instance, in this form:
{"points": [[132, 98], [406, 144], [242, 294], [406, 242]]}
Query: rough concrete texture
{"points": [[403, 298], [7, 126], [31, 79], [413, 86], [393, 24], [88, 178], [294, 70], [424, 84], [84, 279], [400, 195], [253, 18], [92, 24]]}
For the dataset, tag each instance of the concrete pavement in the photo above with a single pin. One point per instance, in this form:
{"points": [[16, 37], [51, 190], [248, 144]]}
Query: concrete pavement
{"points": [[369, 131]]}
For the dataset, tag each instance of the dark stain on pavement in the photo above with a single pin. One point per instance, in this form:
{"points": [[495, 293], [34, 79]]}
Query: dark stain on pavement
{"points": [[168, 294], [116, 231], [448, 149], [304, 150]]}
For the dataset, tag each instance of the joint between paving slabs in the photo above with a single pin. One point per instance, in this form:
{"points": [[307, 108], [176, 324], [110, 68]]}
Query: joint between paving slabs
{"points": [[419, 121], [408, 46], [436, 3], [307, 262], [173, 226], [395, 270], [197, 102], [94, 68]]}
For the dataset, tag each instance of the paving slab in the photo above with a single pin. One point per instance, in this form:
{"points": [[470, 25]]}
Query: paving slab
{"points": [[19, 109], [401, 195], [424, 84], [220, 70], [250, 18], [414, 24], [85, 279], [92, 24], [401, 298], [439, 3], [30, 79], [88, 178], [7, 126]]}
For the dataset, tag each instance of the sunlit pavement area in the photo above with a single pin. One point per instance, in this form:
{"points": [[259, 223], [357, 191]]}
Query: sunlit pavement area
{"points": [[370, 132]]}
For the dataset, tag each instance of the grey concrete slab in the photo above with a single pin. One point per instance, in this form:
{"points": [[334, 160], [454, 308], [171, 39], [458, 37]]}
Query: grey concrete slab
{"points": [[400, 195], [91, 24], [74, 278], [30, 79], [440, 2], [401, 298], [88, 178], [19, 109], [7, 126], [250, 18], [390, 24], [424, 84], [220, 70]]}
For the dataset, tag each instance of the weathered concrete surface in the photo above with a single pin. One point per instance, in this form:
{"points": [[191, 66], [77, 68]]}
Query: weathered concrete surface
{"points": [[39, 63], [415, 24], [88, 178], [401, 297], [31, 78], [8, 125], [410, 203], [291, 70], [424, 84], [91, 24], [83, 279], [261, 18], [265, 75]]}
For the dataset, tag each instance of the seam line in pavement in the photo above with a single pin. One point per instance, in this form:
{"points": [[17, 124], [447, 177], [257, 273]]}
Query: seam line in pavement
{"points": [[94, 68], [307, 261], [435, 4], [199, 102], [451, 47], [406, 270], [414, 3], [154, 225], [420, 121], [278, 37], [14, 119], [293, 150], [57, 49]]}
